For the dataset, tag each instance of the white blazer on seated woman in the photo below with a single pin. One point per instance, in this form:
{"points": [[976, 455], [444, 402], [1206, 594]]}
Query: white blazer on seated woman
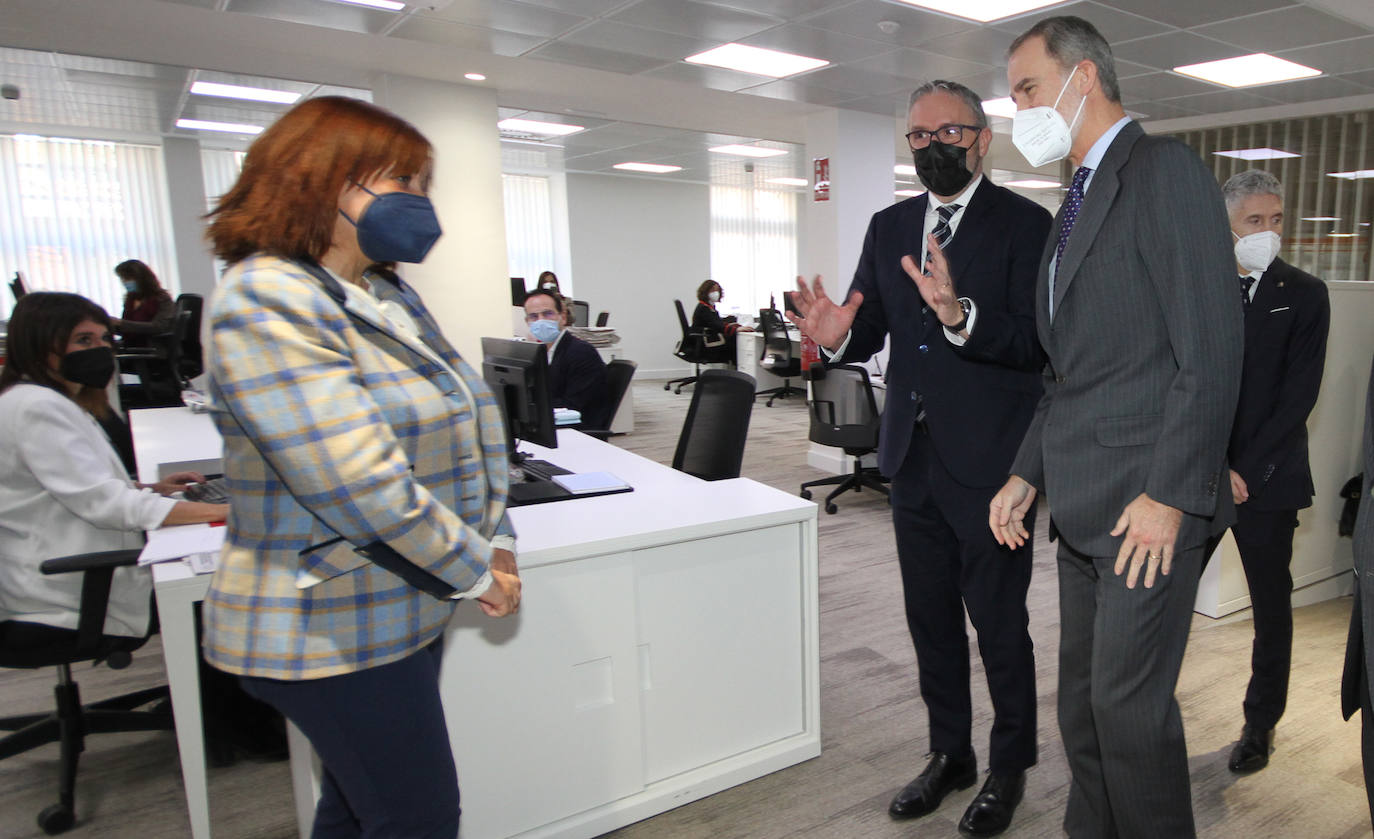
{"points": [[63, 489]]}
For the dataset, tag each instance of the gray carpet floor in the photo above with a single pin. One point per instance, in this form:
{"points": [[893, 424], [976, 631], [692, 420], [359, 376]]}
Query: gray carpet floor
{"points": [[872, 721]]}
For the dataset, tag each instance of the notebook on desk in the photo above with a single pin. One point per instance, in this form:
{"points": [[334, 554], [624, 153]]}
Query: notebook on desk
{"points": [[544, 482]]}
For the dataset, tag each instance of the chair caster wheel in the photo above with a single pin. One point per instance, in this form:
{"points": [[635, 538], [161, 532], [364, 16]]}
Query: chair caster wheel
{"points": [[831, 509], [55, 819], [668, 387], [806, 493]]}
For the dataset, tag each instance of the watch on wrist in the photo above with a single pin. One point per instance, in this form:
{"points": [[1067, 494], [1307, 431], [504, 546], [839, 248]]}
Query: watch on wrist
{"points": [[965, 306]]}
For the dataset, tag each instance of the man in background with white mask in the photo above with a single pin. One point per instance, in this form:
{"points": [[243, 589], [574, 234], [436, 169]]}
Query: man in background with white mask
{"points": [[1286, 318], [1138, 313]]}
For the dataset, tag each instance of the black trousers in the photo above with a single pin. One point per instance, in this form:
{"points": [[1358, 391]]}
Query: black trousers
{"points": [[1265, 541], [949, 562], [381, 737]]}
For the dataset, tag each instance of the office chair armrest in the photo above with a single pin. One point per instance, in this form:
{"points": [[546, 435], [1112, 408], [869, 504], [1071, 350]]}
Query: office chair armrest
{"points": [[91, 562]]}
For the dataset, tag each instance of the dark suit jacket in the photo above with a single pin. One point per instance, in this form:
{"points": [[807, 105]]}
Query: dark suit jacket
{"points": [[1144, 349], [979, 397], [578, 381], [1285, 350], [1357, 650]]}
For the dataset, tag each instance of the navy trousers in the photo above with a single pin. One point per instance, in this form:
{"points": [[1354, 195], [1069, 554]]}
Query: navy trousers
{"points": [[381, 737]]}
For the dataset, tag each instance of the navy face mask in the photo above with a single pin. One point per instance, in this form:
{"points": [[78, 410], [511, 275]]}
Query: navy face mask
{"points": [[396, 227], [92, 368]]}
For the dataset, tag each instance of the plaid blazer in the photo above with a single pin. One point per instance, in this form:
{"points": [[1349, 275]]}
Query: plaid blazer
{"points": [[342, 433]]}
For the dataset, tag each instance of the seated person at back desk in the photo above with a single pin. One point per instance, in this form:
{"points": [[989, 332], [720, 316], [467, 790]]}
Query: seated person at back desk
{"points": [[707, 321], [577, 375]]}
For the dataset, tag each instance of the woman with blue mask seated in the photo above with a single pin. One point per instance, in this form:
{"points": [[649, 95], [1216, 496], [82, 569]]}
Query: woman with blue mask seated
{"points": [[577, 375], [63, 489], [148, 308]]}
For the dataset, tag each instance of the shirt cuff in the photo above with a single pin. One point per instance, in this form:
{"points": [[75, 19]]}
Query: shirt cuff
{"points": [[503, 542], [830, 356], [479, 588], [954, 337]]}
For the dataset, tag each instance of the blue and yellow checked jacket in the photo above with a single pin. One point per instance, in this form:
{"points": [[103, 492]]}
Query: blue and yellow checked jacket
{"points": [[340, 432]]}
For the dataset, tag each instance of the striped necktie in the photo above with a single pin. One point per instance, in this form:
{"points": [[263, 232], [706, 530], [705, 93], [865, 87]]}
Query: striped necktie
{"points": [[942, 231]]}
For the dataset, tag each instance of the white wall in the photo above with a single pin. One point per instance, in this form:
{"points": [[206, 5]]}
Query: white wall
{"points": [[637, 244], [186, 203]]}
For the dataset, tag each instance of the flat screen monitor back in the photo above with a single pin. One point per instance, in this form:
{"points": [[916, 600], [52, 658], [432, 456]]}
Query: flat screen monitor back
{"points": [[518, 373]]}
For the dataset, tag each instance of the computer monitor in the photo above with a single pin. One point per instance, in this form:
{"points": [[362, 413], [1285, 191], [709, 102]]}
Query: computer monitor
{"points": [[518, 373], [517, 291], [17, 286]]}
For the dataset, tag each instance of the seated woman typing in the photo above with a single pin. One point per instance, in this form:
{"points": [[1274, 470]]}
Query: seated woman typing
{"points": [[148, 308], [707, 321], [577, 375], [64, 490]]}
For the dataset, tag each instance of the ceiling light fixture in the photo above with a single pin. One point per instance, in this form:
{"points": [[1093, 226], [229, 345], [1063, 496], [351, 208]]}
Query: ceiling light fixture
{"points": [[1034, 183], [1256, 154], [981, 10], [756, 60], [1342, 235], [904, 169], [1248, 70], [532, 126], [1321, 218], [788, 181], [474, 77], [656, 168], [1356, 175], [227, 127], [748, 151], [388, 5], [909, 193], [251, 94], [1002, 107]]}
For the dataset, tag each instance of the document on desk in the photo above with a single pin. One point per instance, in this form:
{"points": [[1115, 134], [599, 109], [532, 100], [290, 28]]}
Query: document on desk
{"points": [[182, 541], [591, 483]]}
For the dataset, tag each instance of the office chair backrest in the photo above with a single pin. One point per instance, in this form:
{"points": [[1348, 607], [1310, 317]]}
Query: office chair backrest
{"points": [[619, 372], [190, 360], [682, 319], [711, 445], [843, 411]]}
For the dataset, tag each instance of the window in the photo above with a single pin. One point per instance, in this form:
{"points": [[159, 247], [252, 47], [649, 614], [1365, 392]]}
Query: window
{"points": [[753, 241], [71, 210], [529, 226]]}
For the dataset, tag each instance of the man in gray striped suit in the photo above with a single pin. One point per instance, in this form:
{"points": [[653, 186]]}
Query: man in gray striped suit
{"points": [[1359, 650], [1138, 313]]}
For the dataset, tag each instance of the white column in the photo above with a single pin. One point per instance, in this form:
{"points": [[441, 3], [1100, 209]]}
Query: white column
{"points": [[463, 281], [195, 266]]}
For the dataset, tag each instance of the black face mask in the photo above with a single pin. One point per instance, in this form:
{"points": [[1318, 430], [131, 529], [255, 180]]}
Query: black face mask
{"points": [[943, 169], [92, 368]]}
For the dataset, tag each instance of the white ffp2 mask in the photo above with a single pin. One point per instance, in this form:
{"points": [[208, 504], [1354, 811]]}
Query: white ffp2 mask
{"points": [[1256, 251], [1041, 134]]}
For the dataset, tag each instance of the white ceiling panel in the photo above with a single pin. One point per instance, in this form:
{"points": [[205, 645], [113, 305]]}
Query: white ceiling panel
{"points": [[1187, 13], [1283, 29], [1340, 57], [826, 44], [634, 40], [858, 82], [800, 92], [1174, 49], [1163, 86], [986, 46], [597, 59], [1114, 24], [331, 15], [785, 9], [508, 16], [715, 78], [1222, 100], [585, 8], [1313, 90], [913, 25], [717, 24], [912, 66], [464, 36]]}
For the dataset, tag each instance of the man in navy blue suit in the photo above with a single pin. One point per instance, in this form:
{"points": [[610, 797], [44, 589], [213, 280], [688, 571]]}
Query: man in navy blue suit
{"points": [[577, 375], [950, 277], [1287, 315]]}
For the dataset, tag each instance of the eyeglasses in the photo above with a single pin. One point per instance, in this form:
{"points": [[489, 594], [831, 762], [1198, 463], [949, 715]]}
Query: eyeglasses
{"points": [[947, 134], [547, 314]]}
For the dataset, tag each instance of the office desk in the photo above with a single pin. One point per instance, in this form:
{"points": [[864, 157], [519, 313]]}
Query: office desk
{"points": [[667, 648], [749, 351]]}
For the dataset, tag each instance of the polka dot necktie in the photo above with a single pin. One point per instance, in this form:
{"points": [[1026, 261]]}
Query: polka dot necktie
{"points": [[1071, 206], [1245, 283]]}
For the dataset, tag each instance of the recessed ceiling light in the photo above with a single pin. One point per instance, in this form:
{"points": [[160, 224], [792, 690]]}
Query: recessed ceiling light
{"points": [[1248, 70], [1342, 235], [1034, 183], [789, 181], [474, 77], [656, 168], [756, 60], [1002, 107], [389, 5], [981, 10], [532, 126], [229, 127], [1364, 224], [1321, 218], [910, 193], [904, 169], [1352, 176], [252, 94], [1256, 154], [748, 151]]}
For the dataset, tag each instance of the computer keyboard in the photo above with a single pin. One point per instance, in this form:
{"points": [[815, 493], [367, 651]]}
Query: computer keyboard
{"points": [[542, 470], [213, 491]]}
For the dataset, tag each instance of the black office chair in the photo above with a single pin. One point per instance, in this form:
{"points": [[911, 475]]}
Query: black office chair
{"points": [[711, 445], [619, 372], [31, 646], [696, 349], [844, 414], [166, 368], [777, 356]]}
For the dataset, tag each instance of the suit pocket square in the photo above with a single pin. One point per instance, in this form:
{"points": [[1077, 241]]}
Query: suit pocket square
{"points": [[1279, 309]]}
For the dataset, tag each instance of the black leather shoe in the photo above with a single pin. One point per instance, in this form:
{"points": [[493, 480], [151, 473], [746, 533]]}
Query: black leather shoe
{"points": [[1251, 754], [991, 810], [944, 774]]}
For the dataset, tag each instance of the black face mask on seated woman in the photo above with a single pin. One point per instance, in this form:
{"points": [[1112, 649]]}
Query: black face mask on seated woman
{"points": [[92, 368]]}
